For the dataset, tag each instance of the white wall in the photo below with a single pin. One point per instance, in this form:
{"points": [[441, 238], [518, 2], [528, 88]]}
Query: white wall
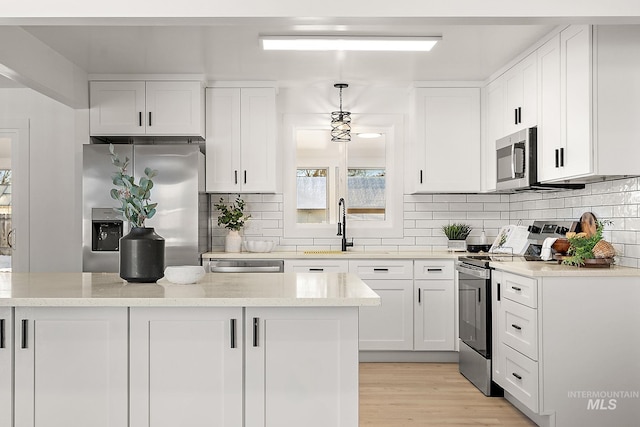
{"points": [[55, 174]]}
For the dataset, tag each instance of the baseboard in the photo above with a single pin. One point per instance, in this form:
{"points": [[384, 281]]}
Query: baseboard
{"points": [[409, 356], [540, 420]]}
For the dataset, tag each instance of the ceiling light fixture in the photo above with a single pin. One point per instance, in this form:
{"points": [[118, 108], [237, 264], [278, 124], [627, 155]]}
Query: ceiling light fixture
{"points": [[323, 43], [340, 120]]}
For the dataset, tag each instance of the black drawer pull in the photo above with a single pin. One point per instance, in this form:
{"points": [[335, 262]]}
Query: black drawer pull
{"points": [[514, 326], [517, 289], [256, 321], [317, 269], [233, 333], [498, 290], [433, 269], [516, 375], [25, 325], [381, 269]]}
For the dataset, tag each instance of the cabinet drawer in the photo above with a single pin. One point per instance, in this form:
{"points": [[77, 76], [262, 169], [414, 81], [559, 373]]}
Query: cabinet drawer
{"points": [[520, 289], [382, 269], [433, 269], [317, 266], [520, 325], [521, 377]]}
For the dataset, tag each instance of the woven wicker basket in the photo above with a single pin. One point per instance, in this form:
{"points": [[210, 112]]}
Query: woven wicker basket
{"points": [[603, 249]]}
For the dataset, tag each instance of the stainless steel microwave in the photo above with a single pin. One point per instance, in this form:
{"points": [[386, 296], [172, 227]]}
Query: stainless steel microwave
{"points": [[517, 164]]}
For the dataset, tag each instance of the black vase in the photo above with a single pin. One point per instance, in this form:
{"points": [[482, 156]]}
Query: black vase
{"points": [[142, 255]]}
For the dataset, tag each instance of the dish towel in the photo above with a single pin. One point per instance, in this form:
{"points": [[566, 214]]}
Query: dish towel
{"points": [[545, 253]]}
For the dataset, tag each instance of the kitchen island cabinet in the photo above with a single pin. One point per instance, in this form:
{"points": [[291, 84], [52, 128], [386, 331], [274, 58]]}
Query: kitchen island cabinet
{"points": [[566, 344], [161, 354], [70, 366]]}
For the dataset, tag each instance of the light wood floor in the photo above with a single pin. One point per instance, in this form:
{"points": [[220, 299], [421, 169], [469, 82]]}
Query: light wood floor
{"points": [[428, 394]]}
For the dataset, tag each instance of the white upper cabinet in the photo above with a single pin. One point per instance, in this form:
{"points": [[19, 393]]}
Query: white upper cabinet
{"points": [[594, 74], [156, 108], [495, 129], [521, 101], [447, 140], [241, 140]]}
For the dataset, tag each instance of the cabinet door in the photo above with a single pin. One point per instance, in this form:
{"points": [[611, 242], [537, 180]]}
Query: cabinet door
{"points": [[388, 326], [434, 315], [223, 140], [258, 135], [186, 366], [521, 94], [575, 100], [549, 110], [71, 366], [497, 328], [117, 108], [174, 108], [448, 139], [301, 366], [6, 366], [495, 130]]}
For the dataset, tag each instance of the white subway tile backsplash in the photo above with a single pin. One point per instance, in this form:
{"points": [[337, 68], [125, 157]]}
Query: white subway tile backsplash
{"points": [[425, 214]]}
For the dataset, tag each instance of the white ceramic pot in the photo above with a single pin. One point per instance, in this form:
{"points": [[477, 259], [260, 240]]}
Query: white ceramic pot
{"points": [[233, 241]]}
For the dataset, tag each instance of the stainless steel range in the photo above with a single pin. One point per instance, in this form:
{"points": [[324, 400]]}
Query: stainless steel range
{"points": [[474, 299]]}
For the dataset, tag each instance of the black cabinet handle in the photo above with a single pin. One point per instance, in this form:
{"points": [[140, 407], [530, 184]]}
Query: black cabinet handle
{"points": [[233, 333], [514, 326], [381, 269], [140, 118], [256, 321], [498, 291], [557, 158], [420, 176], [561, 157], [245, 176], [433, 269], [519, 115], [235, 174], [517, 289], [317, 269], [1, 333], [516, 375], [419, 295], [515, 120], [149, 118], [479, 295], [25, 325]]}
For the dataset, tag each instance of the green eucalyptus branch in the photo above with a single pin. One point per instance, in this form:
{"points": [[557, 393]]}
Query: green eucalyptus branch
{"points": [[232, 217], [134, 198]]}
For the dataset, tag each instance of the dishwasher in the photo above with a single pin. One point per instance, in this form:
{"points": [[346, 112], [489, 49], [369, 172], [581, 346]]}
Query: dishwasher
{"points": [[243, 265]]}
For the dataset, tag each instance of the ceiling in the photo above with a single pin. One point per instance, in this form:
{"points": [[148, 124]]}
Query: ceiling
{"points": [[229, 50]]}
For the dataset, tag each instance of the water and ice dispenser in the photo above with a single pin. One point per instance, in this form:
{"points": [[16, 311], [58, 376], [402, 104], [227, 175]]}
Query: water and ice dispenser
{"points": [[106, 229]]}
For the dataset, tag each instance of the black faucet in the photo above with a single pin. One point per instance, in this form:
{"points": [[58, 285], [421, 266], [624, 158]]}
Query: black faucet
{"points": [[342, 226]]}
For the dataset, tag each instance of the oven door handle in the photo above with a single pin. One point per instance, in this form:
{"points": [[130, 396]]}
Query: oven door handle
{"points": [[481, 273]]}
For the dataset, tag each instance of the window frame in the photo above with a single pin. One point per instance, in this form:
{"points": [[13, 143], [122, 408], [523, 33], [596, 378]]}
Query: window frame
{"points": [[392, 125]]}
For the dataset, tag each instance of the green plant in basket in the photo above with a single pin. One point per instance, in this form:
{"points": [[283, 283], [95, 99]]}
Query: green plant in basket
{"points": [[456, 231], [581, 246]]}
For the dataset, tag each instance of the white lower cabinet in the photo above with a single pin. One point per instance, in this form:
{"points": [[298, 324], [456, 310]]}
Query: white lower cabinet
{"points": [[434, 305], [186, 366], [521, 377], [6, 366], [388, 326], [71, 366], [301, 367]]}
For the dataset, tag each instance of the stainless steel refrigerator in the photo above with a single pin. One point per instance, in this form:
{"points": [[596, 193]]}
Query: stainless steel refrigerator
{"points": [[178, 190]]}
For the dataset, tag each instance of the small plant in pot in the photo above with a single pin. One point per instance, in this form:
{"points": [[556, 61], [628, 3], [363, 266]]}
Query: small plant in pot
{"points": [[141, 250], [232, 218], [457, 234]]}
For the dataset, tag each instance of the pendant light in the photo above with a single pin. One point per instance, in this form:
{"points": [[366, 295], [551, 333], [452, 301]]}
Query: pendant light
{"points": [[340, 120]]}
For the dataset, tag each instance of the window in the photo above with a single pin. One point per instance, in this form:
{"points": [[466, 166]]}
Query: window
{"points": [[363, 171]]}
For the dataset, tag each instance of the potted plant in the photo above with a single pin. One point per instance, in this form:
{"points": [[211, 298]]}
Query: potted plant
{"points": [[141, 250], [457, 234], [233, 218]]}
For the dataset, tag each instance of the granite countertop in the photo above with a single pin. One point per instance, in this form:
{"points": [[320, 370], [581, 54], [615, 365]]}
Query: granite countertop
{"points": [[321, 254], [553, 269], [219, 289]]}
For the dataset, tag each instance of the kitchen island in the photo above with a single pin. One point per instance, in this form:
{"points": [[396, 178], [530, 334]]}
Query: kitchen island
{"points": [[234, 349]]}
